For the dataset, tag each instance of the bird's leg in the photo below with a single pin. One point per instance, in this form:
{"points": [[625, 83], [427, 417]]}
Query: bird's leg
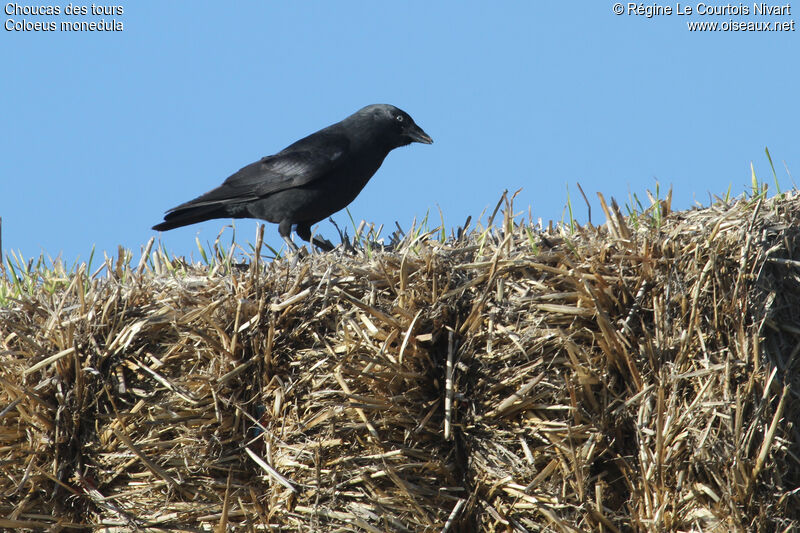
{"points": [[304, 232], [285, 230], [292, 246], [323, 244]]}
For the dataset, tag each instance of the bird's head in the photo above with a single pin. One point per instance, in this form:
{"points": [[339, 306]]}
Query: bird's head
{"points": [[396, 126]]}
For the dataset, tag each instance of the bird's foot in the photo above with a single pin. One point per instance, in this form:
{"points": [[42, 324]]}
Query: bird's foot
{"points": [[323, 244]]}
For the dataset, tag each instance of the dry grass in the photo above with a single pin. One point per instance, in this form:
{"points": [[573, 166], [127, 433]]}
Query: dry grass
{"points": [[620, 378]]}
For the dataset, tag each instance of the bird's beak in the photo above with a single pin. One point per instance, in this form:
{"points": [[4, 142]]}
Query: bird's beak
{"points": [[417, 135]]}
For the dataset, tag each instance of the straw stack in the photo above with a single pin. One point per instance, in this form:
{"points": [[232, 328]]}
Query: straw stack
{"points": [[638, 376]]}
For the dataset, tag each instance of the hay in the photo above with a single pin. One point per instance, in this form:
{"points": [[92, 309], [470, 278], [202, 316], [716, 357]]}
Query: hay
{"points": [[618, 378]]}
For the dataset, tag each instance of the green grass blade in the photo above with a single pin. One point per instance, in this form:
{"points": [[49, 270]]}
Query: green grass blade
{"points": [[774, 174]]}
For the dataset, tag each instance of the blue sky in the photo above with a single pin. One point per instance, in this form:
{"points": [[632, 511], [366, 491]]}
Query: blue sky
{"points": [[104, 131]]}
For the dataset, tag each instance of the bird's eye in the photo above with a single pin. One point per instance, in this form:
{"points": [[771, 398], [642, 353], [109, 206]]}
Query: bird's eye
{"points": [[399, 118]]}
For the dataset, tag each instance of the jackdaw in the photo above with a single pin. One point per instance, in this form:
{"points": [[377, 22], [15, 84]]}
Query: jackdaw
{"points": [[308, 180]]}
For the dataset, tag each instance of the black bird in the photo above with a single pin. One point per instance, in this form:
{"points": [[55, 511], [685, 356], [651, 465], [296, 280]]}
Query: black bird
{"points": [[308, 180]]}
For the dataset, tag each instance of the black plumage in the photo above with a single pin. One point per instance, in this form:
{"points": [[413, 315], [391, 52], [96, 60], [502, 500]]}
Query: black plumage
{"points": [[308, 180]]}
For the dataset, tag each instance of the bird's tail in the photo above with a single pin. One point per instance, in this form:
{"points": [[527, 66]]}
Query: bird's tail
{"points": [[184, 216]]}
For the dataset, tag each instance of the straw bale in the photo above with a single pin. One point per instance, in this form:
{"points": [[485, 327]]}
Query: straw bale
{"points": [[639, 376]]}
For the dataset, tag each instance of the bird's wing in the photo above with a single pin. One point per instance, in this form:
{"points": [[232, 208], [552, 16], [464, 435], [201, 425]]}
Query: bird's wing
{"points": [[305, 161]]}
